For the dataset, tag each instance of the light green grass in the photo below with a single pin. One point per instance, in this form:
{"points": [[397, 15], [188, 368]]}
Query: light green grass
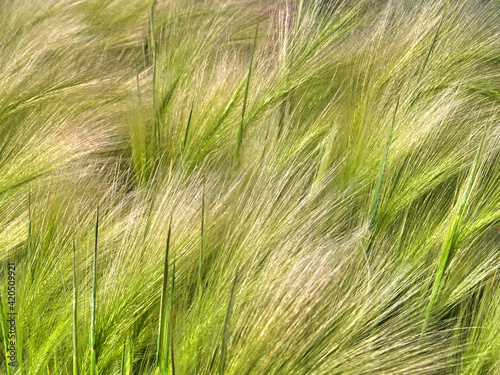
{"points": [[273, 140]]}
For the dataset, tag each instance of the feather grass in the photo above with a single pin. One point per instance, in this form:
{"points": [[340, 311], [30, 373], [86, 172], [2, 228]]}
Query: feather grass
{"points": [[139, 107]]}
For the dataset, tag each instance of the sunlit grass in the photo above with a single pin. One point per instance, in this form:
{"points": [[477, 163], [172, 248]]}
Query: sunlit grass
{"points": [[291, 187]]}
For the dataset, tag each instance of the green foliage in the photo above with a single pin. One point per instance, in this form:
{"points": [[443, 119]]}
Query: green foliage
{"points": [[275, 141]]}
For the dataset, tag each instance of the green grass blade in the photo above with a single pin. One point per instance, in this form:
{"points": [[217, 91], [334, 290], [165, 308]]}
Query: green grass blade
{"points": [[127, 356], [170, 322], [378, 188], [93, 359], [75, 309], [242, 123], [153, 49], [471, 178], [225, 335], [200, 259], [160, 351], [186, 134], [421, 74], [122, 370], [30, 271], [449, 243], [433, 42]]}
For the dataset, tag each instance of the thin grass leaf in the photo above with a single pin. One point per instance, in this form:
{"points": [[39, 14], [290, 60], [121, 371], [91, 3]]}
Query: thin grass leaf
{"points": [[200, 258], [449, 244], [242, 123], [225, 335], [170, 323], [30, 271], [127, 356], [200, 269], [75, 309], [160, 349], [93, 359], [122, 370], [421, 74], [378, 188], [156, 124], [186, 133]]}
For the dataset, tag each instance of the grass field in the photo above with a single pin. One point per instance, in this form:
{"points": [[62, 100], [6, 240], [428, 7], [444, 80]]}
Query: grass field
{"points": [[249, 187]]}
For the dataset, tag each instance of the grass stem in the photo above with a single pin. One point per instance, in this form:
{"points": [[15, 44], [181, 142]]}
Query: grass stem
{"points": [[449, 244], [75, 309], [93, 359], [225, 335], [242, 123], [160, 349]]}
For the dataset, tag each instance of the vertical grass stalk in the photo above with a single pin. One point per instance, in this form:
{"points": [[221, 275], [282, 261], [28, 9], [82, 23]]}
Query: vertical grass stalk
{"points": [[122, 371], [378, 188], [186, 134], [160, 351], [170, 322], [421, 74], [449, 244], [93, 359], [127, 356], [153, 51], [242, 123], [200, 259], [75, 309], [376, 199], [225, 335], [29, 239]]}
